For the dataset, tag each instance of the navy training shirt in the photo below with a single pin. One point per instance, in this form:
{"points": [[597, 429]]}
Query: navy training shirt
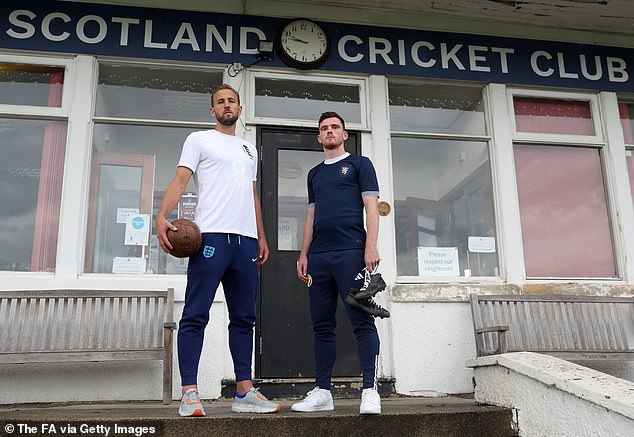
{"points": [[336, 192]]}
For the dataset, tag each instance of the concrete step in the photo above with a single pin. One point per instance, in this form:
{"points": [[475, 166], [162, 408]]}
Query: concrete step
{"points": [[401, 416]]}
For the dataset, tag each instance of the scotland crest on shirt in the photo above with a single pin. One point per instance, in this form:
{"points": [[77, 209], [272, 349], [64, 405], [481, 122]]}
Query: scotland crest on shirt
{"points": [[345, 170]]}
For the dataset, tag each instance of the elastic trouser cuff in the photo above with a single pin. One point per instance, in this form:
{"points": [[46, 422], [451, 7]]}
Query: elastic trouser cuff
{"points": [[243, 376], [189, 380]]}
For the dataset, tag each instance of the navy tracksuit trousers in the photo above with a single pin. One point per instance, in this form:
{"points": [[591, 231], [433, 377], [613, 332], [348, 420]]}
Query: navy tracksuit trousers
{"points": [[333, 274], [232, 260]]}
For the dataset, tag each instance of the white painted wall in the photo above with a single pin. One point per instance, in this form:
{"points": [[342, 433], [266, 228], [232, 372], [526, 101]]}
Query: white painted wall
{"points": [[553, 397], [431, 342]]}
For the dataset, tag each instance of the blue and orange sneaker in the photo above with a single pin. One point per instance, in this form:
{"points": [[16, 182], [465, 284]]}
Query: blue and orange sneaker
{"points": [[190, 404], [253, 402]]}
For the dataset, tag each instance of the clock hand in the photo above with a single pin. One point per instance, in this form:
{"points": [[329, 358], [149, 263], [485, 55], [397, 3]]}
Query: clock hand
{"points": [[298, 40]]}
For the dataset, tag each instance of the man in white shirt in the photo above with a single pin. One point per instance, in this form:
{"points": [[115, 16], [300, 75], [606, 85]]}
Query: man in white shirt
{"points": [[228, 214]]}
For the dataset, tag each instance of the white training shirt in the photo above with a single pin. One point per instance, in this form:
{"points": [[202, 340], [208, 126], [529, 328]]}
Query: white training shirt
{"points": [[224, 167]]}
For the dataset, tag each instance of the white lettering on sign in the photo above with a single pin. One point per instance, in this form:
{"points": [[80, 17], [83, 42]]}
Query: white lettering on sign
{"points": [[244, 34], [14, 18], [616, 70], [101, 35], [417, 60], [536, 67], [504, 64], [378, 51], [424, 54], [147, 40], [46, 26], [451, 55], [543, 65], [125, 28], [22, 27], [342, 48], [214, 33], [597, 68], [474, 58], [185, 35], [382, 47]]}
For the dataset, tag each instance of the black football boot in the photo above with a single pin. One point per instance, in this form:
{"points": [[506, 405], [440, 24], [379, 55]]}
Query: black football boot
{"points": [[366, 305], [372, 284]]}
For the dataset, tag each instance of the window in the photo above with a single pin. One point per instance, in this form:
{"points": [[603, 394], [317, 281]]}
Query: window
{"points": [[551, 116], [278, 97], [437, 109], [143, 115], [443, 195], [566, 230], [32, 146], [32, 85]]}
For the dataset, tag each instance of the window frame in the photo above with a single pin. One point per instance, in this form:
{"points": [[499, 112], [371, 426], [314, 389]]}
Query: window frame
{"points": [[149, 121], [534, 137], [28, 111], [361, 83], [133, 121], [486, 138], [598, 141]]}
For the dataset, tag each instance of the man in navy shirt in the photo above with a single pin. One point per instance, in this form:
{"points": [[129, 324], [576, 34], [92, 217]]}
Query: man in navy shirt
{"points": [[335, 249]]}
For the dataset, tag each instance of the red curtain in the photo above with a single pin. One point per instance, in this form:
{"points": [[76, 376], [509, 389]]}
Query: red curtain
{"points": [[563, 207], [563, 211], [50, 186]]}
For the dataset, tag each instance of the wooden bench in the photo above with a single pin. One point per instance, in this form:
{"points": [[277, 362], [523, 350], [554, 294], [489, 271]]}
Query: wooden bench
{"points": [[568, 327], [87, 325]]}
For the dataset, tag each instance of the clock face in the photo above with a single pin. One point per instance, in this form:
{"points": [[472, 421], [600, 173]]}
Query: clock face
{"points": [[303, 44]]}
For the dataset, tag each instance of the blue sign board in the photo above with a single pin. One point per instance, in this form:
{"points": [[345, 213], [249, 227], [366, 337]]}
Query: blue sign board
{"points": [[65, 27]]}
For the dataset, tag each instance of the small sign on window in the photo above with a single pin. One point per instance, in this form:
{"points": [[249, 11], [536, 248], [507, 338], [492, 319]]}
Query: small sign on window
{"points": [[438, 261], [137, 230], [482, 244]]}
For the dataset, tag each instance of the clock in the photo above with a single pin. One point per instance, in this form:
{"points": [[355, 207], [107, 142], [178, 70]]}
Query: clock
{"points": [[303, 44]]}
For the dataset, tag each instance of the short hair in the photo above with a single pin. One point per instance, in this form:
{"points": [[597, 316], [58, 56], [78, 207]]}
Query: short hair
{"points": [[224, 86], [331, 114]]}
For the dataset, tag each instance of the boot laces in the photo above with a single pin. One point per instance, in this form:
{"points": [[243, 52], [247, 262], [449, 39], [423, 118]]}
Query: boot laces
{"points": [[373, 304], [366, 279]]}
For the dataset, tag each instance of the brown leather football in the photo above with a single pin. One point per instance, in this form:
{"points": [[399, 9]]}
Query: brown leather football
{"points": [[186, 240]]}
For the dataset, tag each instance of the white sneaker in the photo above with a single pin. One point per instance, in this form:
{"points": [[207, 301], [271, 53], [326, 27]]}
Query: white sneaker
{"points": [[370, 402], [317, 399]]}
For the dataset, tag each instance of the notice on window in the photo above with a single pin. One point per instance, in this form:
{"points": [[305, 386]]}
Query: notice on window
{"points": [[137, 230], [438, 261], [482, 244], [122, 213], [122, 264], [187, 207], [287, 233]]}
